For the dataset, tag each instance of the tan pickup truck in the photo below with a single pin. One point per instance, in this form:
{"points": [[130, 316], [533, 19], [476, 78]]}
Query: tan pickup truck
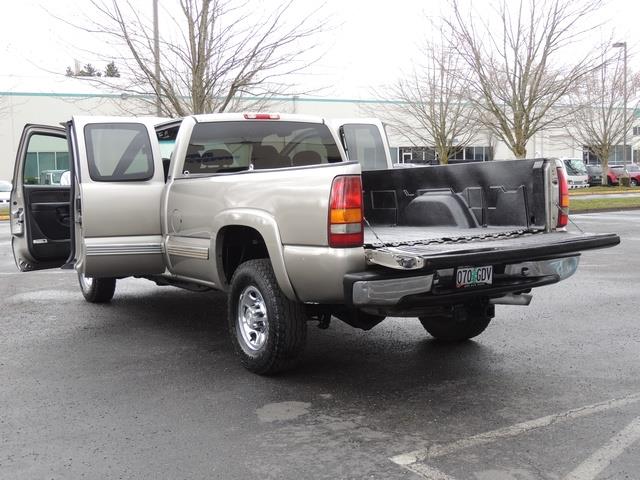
{"points": [[296, 218]]}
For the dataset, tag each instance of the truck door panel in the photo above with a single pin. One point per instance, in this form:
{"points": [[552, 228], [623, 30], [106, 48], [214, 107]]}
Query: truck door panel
{"points": [[40, 206], [121, 182], [365, 141]]}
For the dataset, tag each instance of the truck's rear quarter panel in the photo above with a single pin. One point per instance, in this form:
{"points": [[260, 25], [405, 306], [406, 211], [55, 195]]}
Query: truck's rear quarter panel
{"points": [[288, 207], [297, 198]]}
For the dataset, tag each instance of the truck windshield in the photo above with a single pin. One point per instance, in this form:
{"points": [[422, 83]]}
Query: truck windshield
{"points": [[364, 145], [575, 167], [241, 145]]}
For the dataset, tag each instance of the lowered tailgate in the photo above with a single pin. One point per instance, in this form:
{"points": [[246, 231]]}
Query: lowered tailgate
{"points": [[482, 249]]}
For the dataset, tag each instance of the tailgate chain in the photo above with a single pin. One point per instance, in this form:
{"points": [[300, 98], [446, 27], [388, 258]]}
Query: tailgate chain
{"points": [[452, 240]]}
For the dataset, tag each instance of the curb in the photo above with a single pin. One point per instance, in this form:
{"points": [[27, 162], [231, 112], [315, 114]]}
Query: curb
{"points": [[598, 210]]}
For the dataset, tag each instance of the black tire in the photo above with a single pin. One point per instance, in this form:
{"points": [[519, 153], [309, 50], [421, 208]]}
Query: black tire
{"points": [[274, 336], [97, 290], [633, 182], [462, 323]]}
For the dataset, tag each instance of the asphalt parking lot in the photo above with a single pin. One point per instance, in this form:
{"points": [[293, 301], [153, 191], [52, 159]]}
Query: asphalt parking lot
{"points": [[148, 386]]}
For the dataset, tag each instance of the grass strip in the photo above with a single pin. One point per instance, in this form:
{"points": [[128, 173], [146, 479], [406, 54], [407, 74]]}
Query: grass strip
{"points": [[595, 204], [579, 192]]}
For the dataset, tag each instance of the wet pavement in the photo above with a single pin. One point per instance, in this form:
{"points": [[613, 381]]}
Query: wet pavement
{"points": [[148, 386]]}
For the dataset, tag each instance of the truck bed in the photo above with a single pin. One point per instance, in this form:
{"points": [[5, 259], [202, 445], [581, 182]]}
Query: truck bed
{"points": [[468, 214], [471, 195]]}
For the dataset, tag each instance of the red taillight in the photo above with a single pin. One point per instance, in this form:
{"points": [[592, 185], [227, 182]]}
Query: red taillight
{"points": [[262, 116], [563, 199], [345, 212]]}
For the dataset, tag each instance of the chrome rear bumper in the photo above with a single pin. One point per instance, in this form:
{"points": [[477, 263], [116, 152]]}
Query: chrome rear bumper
{"points": [[388, 292]]}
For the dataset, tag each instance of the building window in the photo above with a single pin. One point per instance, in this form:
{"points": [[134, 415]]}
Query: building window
{"points": [[419, 155], [427, 155], [615, 156], [589, 157], [472, 154], [636, 131]]}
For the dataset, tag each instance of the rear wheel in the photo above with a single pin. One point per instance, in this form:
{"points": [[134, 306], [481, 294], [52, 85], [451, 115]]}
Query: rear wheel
{"points": [[268, 331], [461, 322], [97, 290]]}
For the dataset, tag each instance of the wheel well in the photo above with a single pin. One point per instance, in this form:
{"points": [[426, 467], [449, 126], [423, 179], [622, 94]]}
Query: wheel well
{"points": [[237, 245]]}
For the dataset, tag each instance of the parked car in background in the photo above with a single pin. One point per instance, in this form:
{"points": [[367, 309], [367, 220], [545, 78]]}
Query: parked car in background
{"points": [[577, 176], [594, 173], [5, 193], [633, 170], [51, 177]]}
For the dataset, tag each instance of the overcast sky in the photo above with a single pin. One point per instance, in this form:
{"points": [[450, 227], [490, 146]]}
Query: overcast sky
{"points": [[372, 44]]}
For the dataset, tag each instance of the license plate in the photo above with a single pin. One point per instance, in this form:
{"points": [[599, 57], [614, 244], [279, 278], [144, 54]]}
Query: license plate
{"points": [[471, 276]]}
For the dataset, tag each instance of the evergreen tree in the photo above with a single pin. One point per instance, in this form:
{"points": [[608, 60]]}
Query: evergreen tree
{"points": [[111, 70], [88, 71]]}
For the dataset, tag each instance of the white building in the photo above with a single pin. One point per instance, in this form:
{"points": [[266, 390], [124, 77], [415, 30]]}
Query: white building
{"points": [[61, 98]]}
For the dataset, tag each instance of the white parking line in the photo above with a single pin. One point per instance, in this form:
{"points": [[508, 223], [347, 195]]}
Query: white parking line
{"points": [[602, 458], [410, 460], [50, 272], [428, 472]]}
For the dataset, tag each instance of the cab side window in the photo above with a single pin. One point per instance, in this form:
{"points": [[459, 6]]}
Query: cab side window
{"points": [[47, 160], [364, 145], [119, 152]]}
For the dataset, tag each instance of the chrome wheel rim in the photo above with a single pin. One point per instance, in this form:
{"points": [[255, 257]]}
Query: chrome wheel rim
{"points": [[252, 320], [85, 282]]}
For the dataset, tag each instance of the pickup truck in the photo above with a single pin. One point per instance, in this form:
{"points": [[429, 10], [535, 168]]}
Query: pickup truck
{"points": [[297, 219]]}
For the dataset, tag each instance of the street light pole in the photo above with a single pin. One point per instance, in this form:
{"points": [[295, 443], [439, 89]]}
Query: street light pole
{"points": [[156, 57], [624, 93]]}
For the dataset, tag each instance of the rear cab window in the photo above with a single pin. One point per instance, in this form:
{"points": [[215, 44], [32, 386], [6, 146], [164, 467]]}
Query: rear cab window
{"points": [[232, 146]]}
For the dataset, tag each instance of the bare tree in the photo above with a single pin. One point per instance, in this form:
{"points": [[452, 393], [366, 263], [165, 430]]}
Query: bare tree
{"points": [[432, 104], [213, 53], [518, 73], [599, 120]]}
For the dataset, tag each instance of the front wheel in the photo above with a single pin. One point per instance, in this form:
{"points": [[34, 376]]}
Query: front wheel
{"points": [[634, 182], [97, 290], [268, 331], [461, 323]]}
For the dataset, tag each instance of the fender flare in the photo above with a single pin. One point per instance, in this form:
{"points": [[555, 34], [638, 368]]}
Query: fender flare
{"points": [[265, 224]]}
